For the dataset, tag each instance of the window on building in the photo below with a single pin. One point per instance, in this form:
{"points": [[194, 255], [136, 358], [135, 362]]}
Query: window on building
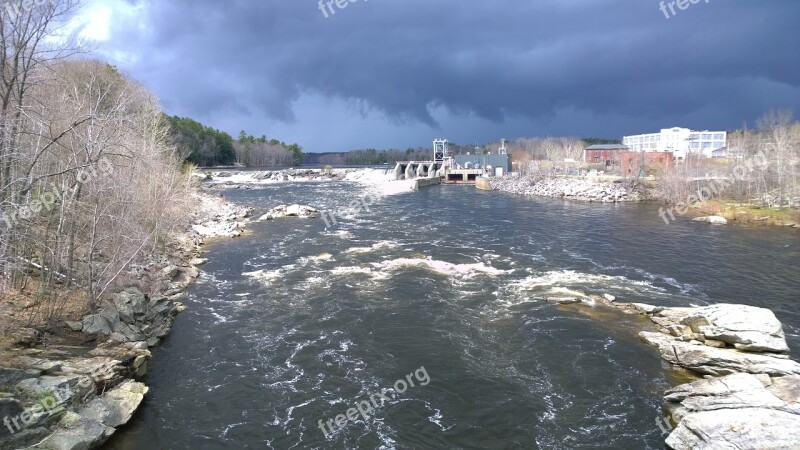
{"points": [[707, 137]]}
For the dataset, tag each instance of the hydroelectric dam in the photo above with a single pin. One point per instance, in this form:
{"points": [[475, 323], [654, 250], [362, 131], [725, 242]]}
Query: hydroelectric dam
{"points": [[447, 168]]}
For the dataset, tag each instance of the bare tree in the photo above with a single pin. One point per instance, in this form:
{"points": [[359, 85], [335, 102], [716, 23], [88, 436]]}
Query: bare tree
{"points": [[23, 35], [780, 144]]}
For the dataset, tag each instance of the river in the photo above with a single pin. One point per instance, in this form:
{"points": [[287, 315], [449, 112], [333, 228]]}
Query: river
{"points": [[295, 323]]}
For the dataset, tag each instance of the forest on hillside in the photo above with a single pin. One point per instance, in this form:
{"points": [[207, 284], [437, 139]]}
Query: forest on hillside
{"points": [[205, 146], [89, 177]]}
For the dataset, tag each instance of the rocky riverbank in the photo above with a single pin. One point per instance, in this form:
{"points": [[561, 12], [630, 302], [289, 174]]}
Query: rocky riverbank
{"points": [[749, 393], [580, 189], [73, 388]]}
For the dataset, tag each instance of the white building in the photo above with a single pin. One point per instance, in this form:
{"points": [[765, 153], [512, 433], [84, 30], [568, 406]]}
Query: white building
{"points": [[679, 141]]}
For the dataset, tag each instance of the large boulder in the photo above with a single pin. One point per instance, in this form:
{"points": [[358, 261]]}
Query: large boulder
{"points": [[97, 421], [131, 305], [711, 220], [96, 324], [101, 371], [116, 407], [66, 388], [747, 428], [733, 412], [111, 315], [301, 211], [131, 333], [76, 433], [159, 311], [735, 391], [717, 361], [747, 328]]}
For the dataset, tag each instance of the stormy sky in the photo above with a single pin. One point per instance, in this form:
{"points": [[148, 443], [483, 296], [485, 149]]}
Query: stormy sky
{"points": [[398, 73]]}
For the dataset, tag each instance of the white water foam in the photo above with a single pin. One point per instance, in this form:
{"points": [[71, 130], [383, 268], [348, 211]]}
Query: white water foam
{"points": [[381, 245], [442, 267], [268, 276], [570, 283]]}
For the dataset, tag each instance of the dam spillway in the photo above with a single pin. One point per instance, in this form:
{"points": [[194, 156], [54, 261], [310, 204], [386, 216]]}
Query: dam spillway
{"points": [[410, 170]]}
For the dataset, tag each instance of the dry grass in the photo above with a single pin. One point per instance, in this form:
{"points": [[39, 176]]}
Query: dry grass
{"points": [[749, 214], [24, 308]]}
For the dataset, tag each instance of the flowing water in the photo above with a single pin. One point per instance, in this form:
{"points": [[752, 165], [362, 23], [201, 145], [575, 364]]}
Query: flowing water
{"points": [[296, 323]]}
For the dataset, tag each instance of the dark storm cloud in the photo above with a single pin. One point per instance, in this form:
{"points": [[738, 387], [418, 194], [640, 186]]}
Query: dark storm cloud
{"points": [[719, 63]]}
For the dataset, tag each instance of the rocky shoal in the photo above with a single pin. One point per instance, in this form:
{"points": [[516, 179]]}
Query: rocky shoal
{"points": [[748, 392], [231, 179], [72, 391]]}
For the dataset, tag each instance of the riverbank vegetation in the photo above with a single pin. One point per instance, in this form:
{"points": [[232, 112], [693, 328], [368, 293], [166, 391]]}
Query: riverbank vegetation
{"points": [[756, 183], [90, 180]]}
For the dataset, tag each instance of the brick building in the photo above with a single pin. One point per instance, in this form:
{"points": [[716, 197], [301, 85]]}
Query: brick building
{"points": [[605, 154], [645, 163]]}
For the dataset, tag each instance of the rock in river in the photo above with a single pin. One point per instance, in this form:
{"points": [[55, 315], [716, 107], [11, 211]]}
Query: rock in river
{"points": [[301, 211], [712, 220], [734, 412]]}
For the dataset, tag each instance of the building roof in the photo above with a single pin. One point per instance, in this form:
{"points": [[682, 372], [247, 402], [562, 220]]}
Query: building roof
{"points": [[608, 147]]}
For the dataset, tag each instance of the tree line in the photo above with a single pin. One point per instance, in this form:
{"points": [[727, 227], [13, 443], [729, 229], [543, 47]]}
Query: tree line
{"points": [[261, 152], [205, 146], [531, 155], [199, 144], [368, 157]]}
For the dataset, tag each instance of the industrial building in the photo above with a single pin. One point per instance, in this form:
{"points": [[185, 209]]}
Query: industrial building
{"points": [[639, 164], [681, 142], [489, 162], [463, 168], [607, 154]]}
